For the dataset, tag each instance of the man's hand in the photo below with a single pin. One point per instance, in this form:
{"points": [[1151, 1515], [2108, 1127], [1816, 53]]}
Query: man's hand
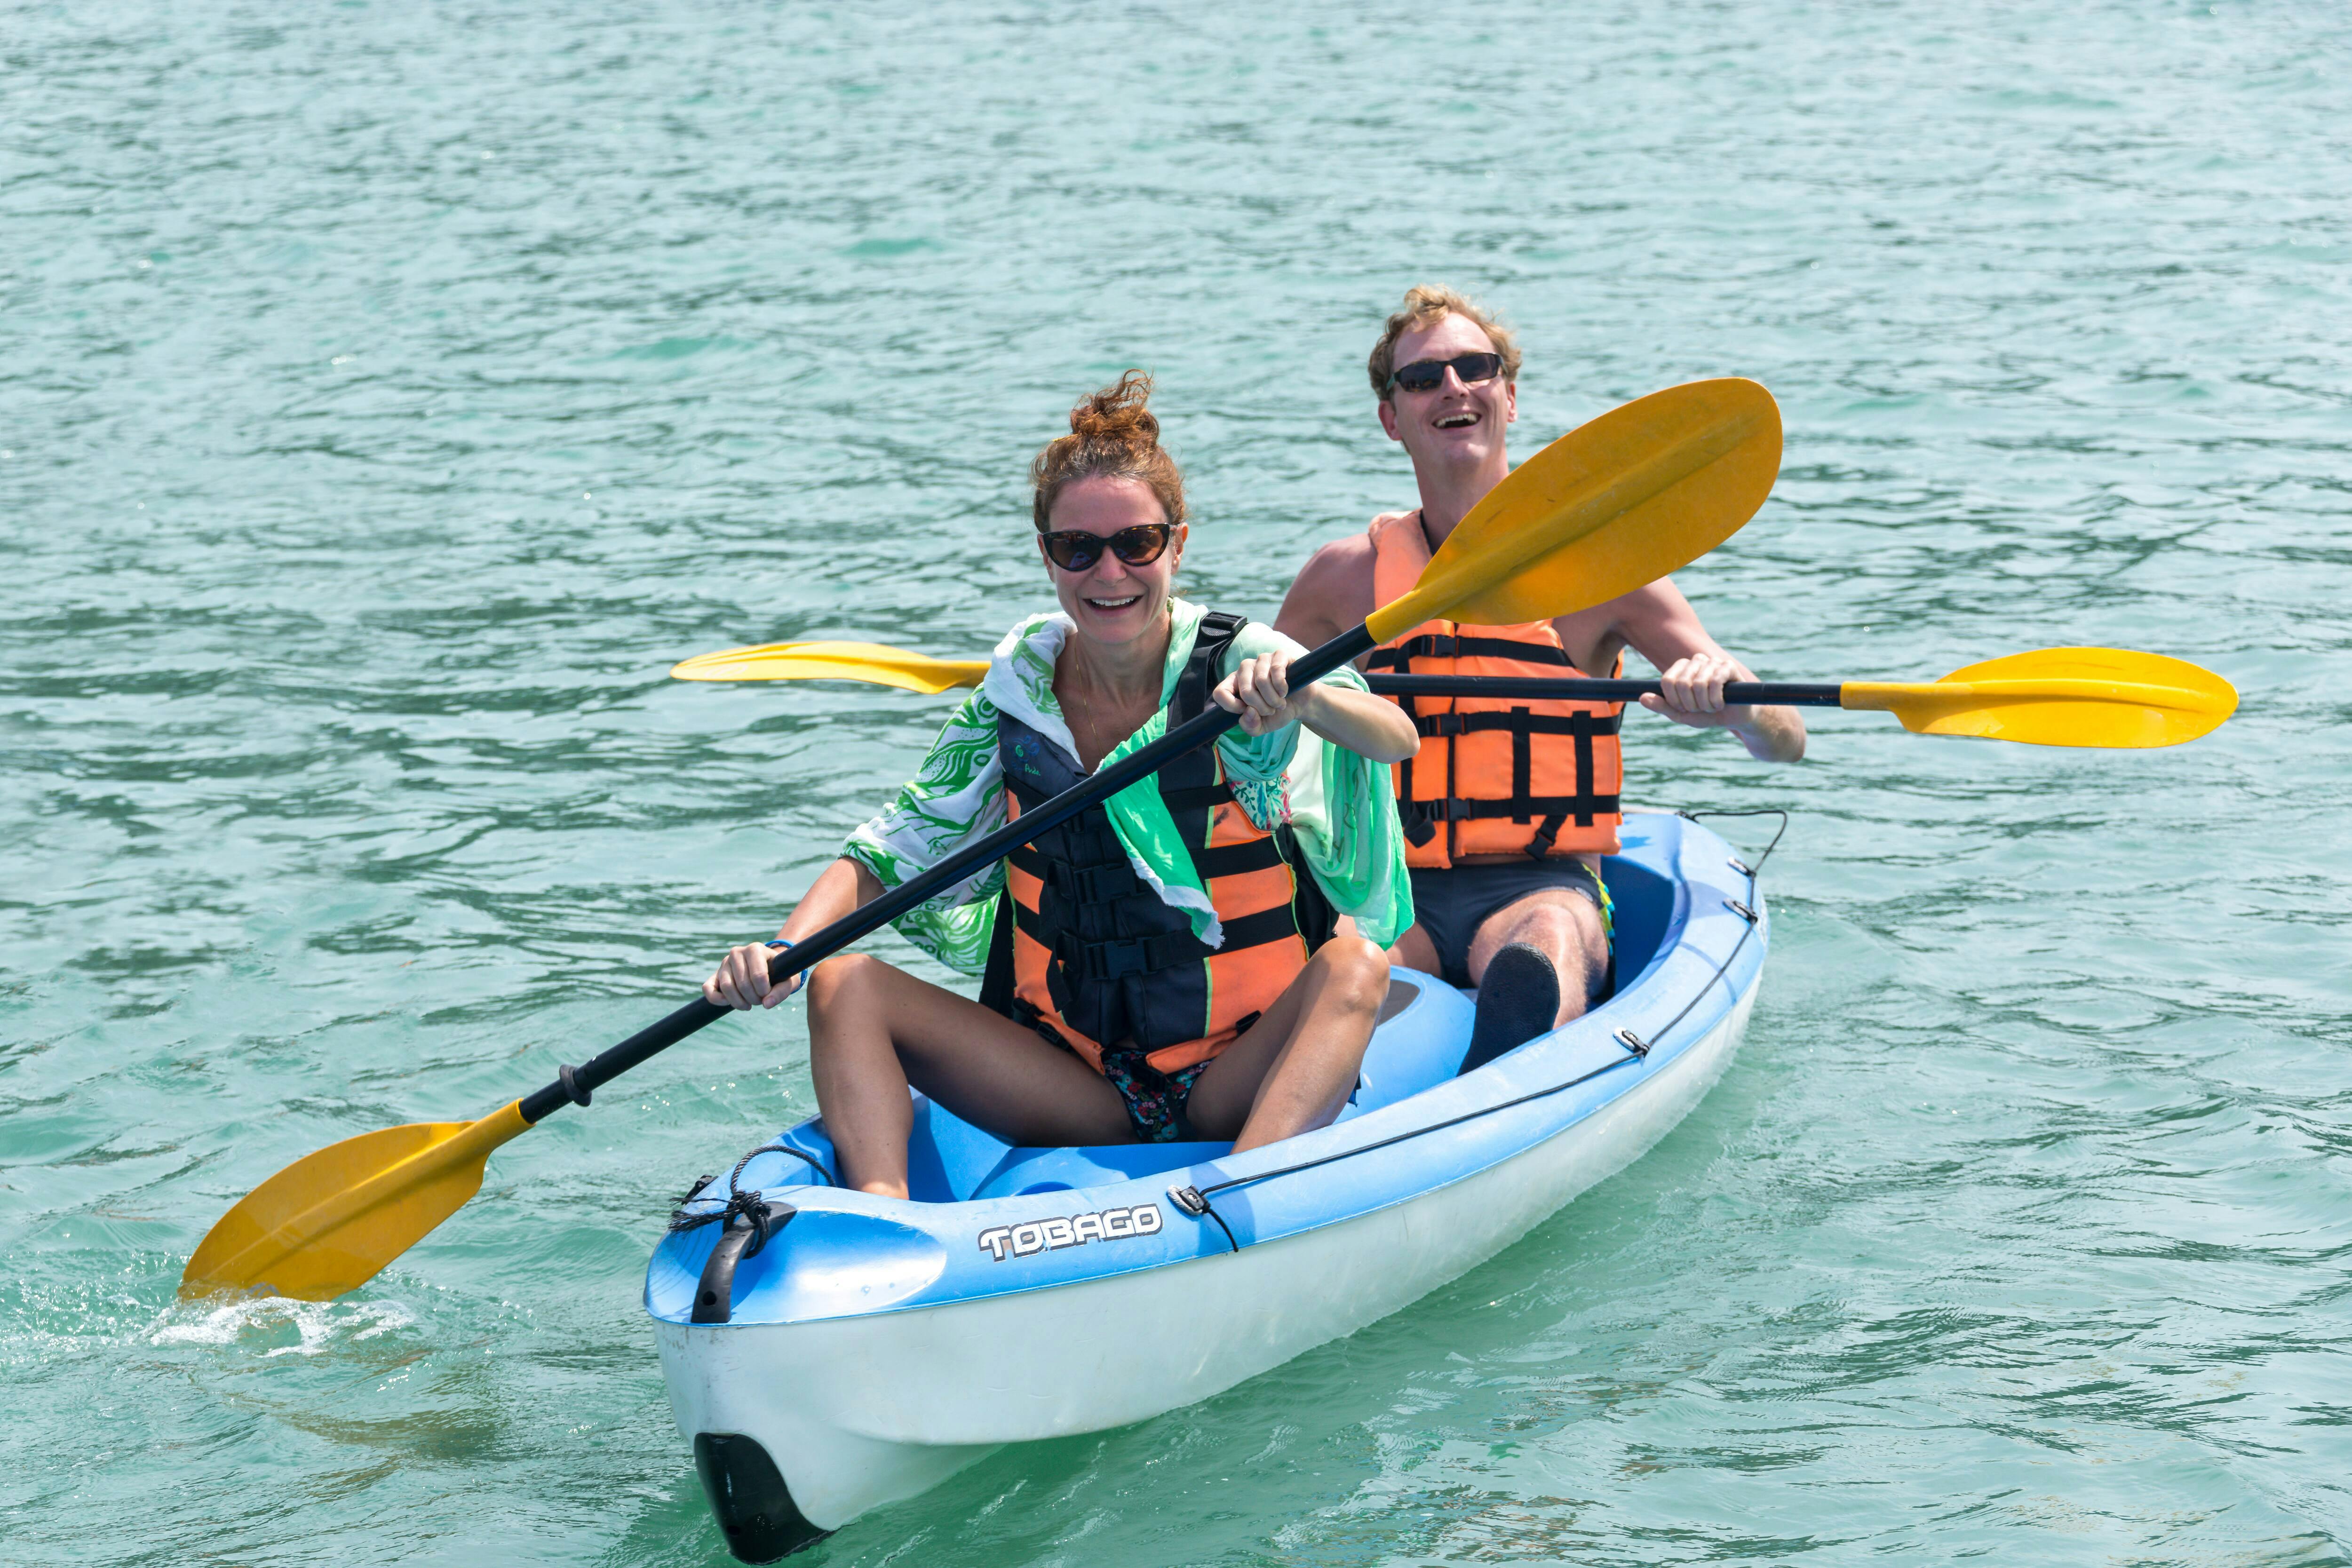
{"points": [[1693, 693]]}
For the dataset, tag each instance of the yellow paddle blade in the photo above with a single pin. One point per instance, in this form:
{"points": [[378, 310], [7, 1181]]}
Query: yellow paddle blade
{"points": [[330, 1221], [868, 661], [1645, 489], [2060, 697]]}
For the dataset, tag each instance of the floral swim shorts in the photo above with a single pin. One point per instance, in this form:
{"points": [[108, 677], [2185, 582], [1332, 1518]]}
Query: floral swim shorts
{"points": [[1155, 1099]]}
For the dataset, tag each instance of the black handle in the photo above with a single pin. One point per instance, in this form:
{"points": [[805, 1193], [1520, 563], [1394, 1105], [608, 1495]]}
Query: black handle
{"points": [[1794, 694], [1191, 735]]}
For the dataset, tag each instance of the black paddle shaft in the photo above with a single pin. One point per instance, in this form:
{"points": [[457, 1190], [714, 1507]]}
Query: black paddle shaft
{"points": [[572, 1087], [1793, 694]]}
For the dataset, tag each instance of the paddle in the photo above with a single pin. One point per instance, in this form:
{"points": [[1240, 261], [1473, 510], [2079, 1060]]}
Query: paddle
{"points": [[868, 661], [2053, 697], [1638, 492]]}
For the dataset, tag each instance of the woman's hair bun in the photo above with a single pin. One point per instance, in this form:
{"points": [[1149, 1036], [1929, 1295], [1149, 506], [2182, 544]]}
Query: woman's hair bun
{"points": [[1119, 413], [1113, 435]]}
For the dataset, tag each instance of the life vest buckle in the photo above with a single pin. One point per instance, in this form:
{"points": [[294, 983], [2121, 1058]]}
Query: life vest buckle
{"points": [[1100, 961], [1102, 884]]}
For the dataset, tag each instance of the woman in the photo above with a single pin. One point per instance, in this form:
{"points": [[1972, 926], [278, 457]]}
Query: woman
{"points": [[1174, 965]]}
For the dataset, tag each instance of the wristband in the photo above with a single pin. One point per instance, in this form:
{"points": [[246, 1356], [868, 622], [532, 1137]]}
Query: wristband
{"points": [[778, 941]]}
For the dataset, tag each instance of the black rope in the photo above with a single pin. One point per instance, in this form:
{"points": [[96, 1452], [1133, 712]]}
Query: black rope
{"points": [[752, 1206], [1194, 1201], [1747, 910], [1190, 1200]]}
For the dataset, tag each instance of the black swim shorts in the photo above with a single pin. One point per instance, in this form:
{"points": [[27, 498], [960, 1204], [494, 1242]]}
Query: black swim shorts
{"points": [[1450, 904]]}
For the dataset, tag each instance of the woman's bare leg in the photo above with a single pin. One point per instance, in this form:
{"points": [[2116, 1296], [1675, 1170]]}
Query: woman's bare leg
{"points": [[875, 1030], [1294, 1068]]}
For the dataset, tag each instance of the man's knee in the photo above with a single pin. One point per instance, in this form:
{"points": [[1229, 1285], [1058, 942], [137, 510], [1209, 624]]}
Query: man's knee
{"points": [[1566, 929]]}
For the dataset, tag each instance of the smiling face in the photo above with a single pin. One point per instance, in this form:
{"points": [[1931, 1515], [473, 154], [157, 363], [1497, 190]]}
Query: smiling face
{"points": [[1111, 602], [1455, 427]]}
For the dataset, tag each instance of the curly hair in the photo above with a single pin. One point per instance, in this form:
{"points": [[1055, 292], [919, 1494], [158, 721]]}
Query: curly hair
{"points": [[1425, 305], [1113, 435]]}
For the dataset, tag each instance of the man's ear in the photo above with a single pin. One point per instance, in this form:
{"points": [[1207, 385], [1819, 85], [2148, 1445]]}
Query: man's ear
{"points": [[1510, 403], [1388, 419]]}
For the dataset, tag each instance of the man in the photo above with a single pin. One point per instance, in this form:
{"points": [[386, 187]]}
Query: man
{"points": [[1510, 804]]}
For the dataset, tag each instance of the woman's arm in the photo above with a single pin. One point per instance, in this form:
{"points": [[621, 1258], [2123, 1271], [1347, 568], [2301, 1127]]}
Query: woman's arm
{"points": [[1371, 727], [742, 978]]}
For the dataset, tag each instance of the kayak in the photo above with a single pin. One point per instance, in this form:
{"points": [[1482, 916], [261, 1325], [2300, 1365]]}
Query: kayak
{"points": [[828, 1351]]}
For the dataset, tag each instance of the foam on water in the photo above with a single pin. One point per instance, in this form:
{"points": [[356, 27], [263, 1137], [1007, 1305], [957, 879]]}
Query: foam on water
{"points": [[319, 1324]]}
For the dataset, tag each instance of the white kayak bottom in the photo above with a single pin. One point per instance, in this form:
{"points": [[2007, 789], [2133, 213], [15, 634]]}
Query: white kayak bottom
{"points": [[864, 1410]]}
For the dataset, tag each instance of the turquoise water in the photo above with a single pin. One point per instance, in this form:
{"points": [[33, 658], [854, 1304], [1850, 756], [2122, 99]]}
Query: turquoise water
{"points": [[389, 395]]}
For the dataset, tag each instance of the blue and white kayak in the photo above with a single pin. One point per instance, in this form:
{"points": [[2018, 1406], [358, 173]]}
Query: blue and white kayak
{"points": [[846, 1351]]}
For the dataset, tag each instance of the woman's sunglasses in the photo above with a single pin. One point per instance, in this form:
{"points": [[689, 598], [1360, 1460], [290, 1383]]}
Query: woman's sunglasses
{"points": [[1074, 550], [1429, 375]]}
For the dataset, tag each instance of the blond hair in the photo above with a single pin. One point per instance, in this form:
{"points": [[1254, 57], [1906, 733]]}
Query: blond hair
{"points": [[1113, 435], [1425, 305]]}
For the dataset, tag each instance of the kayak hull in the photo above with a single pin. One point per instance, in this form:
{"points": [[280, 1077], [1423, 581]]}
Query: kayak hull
{"points": [[859, 1384]]}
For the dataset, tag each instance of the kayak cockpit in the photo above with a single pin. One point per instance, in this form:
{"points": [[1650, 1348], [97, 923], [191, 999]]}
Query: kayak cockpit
{"points": [[1424, 1033]]}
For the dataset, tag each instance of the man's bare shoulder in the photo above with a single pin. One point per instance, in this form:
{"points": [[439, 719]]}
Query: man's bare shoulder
{"points": [[1332, 592]]}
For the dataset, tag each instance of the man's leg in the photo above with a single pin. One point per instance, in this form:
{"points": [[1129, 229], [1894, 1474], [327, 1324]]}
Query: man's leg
{"points": [[1415, 950], [1565, 927]]}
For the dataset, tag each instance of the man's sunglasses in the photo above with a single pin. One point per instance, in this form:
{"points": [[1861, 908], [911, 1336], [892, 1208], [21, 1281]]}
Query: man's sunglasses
{"points": [[1074, 550], [1429, 375]]}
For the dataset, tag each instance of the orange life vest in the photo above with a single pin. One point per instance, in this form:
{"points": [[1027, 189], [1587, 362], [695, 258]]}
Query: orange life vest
{"points": [[1495, 775], [1099, 956]]}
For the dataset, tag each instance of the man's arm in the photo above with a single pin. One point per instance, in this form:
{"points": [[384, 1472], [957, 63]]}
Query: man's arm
{"points": [[1659, 624], [1333, 593]]}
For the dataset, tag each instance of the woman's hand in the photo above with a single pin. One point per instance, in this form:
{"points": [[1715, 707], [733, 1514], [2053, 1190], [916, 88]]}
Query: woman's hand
{"points": [[1692, 693], [741, 979], [1259, 690]]}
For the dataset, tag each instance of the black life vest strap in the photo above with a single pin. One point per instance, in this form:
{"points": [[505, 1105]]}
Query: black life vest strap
{"points": [[1115, 880], [1210, 796], [1111, 882], [1200, 677], [1419, 821], [1275, 924], [1400, 656], [1234, 859], [1308, 914], [997, 981], [1105, 961], [1517, 721], [1218, 630], [1523, 808]]}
